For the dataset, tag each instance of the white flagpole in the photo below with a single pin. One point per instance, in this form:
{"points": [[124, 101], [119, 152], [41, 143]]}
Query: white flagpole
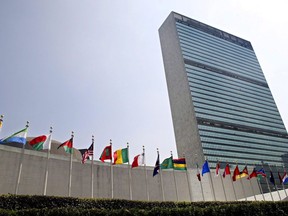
{"points": [[161, 183], [275, 183], [47, 162], [201, 186], [188, 179], [70, 170], [221, 181], [20, 165], [234, 191], [282, 181], [92, 174], [268, 184], [112, 180], [260, 187], [145, 170], [129, 174], [251, 185], [176, 189], [212, 186], [242, 185]]}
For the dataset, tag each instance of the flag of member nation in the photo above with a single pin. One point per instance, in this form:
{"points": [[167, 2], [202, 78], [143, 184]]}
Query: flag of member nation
{"points": [[87, 153], [253, 174], [198, 173], [121, 156], [106, 154], [272, 179], [18, 137], [261, 173], [138, 160], [205, 168], [41, 142], [167, 163], [68, 146], [179, 164], [157, 166], [217, 170], [236, 173], [226, 170], [244, 173], [1, 124], [285, 178]]}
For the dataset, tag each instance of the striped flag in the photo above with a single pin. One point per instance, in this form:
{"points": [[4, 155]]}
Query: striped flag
{"points": [[87, 153]]}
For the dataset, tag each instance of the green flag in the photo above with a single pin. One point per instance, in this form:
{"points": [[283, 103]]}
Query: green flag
{"points": [[167, 163]]}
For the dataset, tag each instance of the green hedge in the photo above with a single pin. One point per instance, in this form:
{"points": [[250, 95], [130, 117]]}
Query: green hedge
{"points": [[62, 206]]}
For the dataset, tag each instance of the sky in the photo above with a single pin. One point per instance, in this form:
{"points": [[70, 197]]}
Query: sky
{"points": [[95, 66]]}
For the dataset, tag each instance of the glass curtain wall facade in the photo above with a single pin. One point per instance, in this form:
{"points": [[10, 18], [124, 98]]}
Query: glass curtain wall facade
{"points": [[233, 110]]}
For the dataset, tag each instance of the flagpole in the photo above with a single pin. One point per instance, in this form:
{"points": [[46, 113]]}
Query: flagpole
{"points": [[212, 186], [242, 186], [283, 182], [111, 169], [198, 171], [222, 182], [188, 180], [259, 185], [232, 182], [176, 189], [251, 184], [268, 183], [146, 179], [20, 164], [47, 162], [129, 174], [70, 170], [161, 183], [275, 184], [92, 174]]}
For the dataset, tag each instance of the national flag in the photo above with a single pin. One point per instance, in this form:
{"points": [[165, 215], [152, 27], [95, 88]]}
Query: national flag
{"points": [[244, 173], [272, 180], [217, 170], [121, 156], [179, 164], [167, 163], [198, 172], [285, 178], [205, 168], [1, 123], [18, 137], [138, 160], [106, 154], [253, 174], [41, 142], [157, 167], [68, 146], [280, 178], [236, 173], [226, 170], [261, 173], [87, 153]]}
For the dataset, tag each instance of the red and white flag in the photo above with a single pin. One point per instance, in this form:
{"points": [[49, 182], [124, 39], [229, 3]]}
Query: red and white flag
{"points": [[226, 171], [138, 160], [87, 153], [217, 171]]}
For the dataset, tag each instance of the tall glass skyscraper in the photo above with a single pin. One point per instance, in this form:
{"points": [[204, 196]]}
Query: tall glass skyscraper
{"points": [[222, 107]]}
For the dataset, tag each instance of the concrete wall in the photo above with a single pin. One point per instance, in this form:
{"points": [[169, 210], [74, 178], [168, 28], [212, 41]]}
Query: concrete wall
{"points": [[34, 166]]}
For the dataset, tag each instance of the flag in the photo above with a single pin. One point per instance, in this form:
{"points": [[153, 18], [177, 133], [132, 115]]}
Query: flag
{"points": [[253, 174], [167, 163], [18, 137], [217, 169], [236, 173], [261, 173], [1, 123], [244, 173], [157, 167], [179, 164], [198, 172], [272, 180], [285, 178], [87, 153], [41, 142], [68, 146], [106, 154], [280, 178], [121, 156], [138, 160], [205, 168], [226, 170]]}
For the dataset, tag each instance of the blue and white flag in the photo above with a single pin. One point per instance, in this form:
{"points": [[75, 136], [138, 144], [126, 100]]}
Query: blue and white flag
{"points": [[285, 178], [205, 168], [18, 137]]}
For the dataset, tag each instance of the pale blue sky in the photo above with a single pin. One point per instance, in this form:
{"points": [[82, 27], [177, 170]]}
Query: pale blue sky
{"points": [[95, 66]]}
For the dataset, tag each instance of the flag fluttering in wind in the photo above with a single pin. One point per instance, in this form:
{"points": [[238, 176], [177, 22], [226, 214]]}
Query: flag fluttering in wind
{"points": [[280, 178], [106, 154], [68, 146], [253, 174], [205, 168], [198, 172], [179, 164], [261, 173], [121, 156], [87, 153], [138, 160], [272, 179], [285, 178], [226, 170], [41, 142], [157, 167], [1, 122], [18, 137], [217, 170], [167, 163], [236, 173], [244, 173]]}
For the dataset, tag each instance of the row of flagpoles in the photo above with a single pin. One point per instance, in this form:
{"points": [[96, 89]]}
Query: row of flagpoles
{"points": [[121, 156]]}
